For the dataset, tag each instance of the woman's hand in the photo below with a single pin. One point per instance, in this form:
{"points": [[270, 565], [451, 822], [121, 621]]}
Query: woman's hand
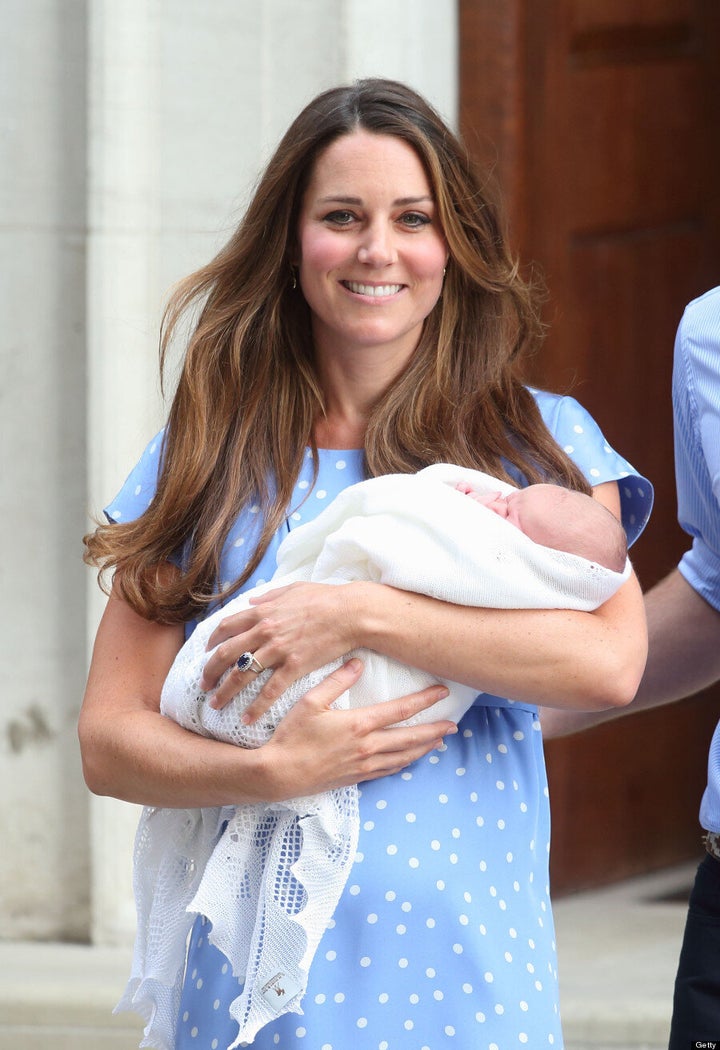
{"points": [[317, 748], [292, 630]]}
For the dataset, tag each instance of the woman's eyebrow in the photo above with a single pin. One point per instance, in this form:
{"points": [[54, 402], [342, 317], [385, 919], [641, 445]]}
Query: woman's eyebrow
{"points": [[401, 201]]}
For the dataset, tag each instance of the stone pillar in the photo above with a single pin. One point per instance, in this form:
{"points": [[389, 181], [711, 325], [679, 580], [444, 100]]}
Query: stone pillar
{"points": [[122, 326]]}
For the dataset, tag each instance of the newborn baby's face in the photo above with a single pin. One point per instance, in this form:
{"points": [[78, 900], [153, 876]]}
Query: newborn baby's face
{"points": [[533, 510]]}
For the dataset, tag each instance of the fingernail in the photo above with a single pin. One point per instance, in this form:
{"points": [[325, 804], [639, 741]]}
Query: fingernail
{"points": [[354, 664], [245, 719]]}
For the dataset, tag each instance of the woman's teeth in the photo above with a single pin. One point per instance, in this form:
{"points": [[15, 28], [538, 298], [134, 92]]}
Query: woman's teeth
{"points": [[377, 290]]}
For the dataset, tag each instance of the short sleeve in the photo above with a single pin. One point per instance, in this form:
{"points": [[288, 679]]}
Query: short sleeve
{"points": [[696, 408], [580, 437], [137, 493]]}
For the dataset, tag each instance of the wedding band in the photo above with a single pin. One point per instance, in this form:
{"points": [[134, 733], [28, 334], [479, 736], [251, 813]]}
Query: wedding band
{"points": [[249, 662]]}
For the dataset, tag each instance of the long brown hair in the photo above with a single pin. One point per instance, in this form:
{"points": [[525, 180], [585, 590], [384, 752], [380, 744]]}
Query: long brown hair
{"points": [[248, 394]]}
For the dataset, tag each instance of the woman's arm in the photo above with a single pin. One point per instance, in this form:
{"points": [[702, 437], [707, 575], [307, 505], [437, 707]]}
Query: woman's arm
{"points": [[559, 657], [131, 751]]}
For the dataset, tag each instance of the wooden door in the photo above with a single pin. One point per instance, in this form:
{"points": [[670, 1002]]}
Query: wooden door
{"points": [[602, 121]]}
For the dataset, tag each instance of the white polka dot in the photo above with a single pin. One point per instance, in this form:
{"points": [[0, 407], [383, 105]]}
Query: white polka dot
{"points": [[400, 929], [320, 998], [354, 890], [406, 906], [372, 918], [381, 804], [449, 1030], [390, 895], [489, 978], [391, 850], [297, 516], [369, 825], [138, 490], [437, 994], [414, 862], [499, 1008], [435, 845], [414, 999], [467, 988], [186, 1015], [460, 771], [365, 961], [303, 484], [193, 1033], [442, 799], [408, 1026], [320, 494], [383, 997], [340, 465], [216, 1004], [214, 1044], [403, 964], [361, 1022], [199, 983], [430, 972], [594, 472], [239, 541], [300, 1033], [524, 1006], [255, 509], [578, 429], [410, 818], [458, 949], [569, 449], [339, 997], [430, 923], [331, 956]]}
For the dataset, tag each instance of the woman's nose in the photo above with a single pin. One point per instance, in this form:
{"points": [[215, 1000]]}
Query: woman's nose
{"points": [[376, 247]]}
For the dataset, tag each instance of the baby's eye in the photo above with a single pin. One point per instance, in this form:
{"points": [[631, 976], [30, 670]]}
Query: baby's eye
{"points": [[340, 217], [415, 219]]}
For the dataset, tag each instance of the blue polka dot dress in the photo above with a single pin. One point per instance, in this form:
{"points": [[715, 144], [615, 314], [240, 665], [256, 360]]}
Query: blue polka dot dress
{"points": [[443, 938]]}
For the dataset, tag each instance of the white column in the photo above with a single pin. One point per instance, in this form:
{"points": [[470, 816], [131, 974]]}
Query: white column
{"points": [[122, 327]]}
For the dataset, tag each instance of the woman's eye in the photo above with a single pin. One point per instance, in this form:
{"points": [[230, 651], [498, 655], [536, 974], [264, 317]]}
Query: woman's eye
{"points": [[339, 218], [415, 219]]}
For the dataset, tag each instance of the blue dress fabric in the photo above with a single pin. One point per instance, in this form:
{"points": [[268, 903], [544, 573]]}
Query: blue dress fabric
{"points": [[443, 938]]}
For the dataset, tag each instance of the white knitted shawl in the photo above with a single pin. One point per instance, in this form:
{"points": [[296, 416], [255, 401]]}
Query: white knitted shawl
{"points": [[268, 877]]}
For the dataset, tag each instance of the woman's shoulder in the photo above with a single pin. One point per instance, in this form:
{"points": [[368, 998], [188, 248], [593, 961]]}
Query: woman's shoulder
{"points": [[139, 487]]}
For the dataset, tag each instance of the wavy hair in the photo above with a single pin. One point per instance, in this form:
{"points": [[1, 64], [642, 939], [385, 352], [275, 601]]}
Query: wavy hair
{"points": [[248, 394]]}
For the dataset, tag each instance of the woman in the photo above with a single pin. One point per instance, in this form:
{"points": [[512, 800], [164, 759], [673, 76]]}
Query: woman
{"points": [[365, 319]]}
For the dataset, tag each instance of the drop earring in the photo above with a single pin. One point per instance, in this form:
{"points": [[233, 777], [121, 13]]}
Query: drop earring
{"points": [[293, 278]]}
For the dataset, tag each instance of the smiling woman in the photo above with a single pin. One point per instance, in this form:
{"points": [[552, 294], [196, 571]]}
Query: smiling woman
{"points": [[365, 319]]}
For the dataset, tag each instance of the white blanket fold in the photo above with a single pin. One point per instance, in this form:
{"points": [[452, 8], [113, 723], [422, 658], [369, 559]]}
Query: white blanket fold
{"points": [[269, 877]]}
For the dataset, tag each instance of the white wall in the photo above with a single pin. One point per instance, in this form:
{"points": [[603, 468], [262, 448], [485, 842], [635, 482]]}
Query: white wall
{"points": [[135, 130]]}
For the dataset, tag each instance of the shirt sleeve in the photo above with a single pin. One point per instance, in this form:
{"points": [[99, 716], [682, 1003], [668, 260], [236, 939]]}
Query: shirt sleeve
{"points": [[696, 408], [580, 437], [138, 491]]}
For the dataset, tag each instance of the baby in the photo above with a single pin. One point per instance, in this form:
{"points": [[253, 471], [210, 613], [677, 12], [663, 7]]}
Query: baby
{"points": [[540, 547], [561, 519]]}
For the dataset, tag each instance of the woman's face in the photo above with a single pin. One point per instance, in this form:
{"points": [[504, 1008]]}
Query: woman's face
{"points": [[371, 251]]}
